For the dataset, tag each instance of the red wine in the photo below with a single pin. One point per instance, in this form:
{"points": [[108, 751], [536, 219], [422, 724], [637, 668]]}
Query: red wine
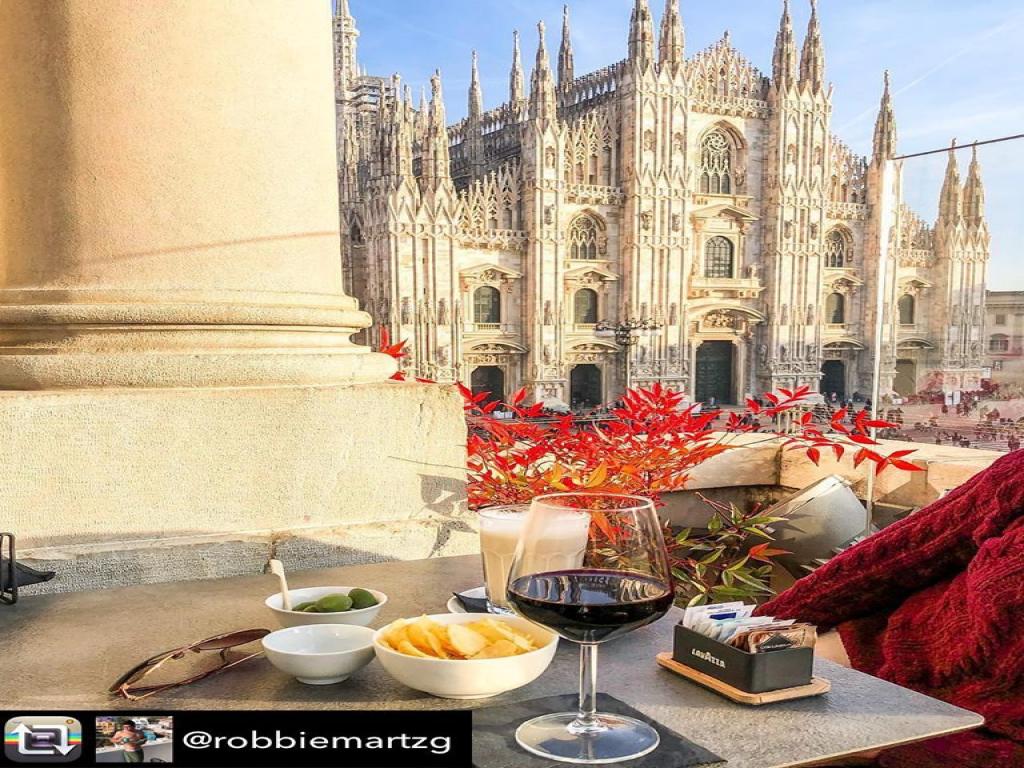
{"points": [[590, 605]]}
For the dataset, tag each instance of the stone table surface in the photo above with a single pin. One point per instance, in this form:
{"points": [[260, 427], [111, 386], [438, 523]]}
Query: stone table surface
{"points": [[63, 650]]}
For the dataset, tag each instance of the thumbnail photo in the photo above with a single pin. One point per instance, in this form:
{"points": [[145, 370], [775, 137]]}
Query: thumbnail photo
{"points": [[135, 739]]}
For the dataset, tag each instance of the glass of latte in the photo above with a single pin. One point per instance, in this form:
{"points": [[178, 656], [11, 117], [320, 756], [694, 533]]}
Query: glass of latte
{"points": [[563, 546]]}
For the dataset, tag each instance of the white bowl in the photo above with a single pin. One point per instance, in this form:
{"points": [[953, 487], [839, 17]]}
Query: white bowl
{"points": [[320, 654], [361, 617], [470, 678]]}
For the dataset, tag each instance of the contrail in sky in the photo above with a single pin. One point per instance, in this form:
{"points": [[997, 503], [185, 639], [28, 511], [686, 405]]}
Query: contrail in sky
{"points": [[996, 30]]}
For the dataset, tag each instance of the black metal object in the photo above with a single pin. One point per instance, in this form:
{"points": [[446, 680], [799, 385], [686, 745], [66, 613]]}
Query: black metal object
{"points": [[8, 580], [750, 672], [13, 574]]}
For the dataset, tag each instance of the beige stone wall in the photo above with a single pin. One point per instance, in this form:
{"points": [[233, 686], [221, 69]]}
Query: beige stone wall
{"points": [[111, 487]]}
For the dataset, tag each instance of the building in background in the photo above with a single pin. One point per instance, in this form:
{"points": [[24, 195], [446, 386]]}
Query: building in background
{"points": [[696, 193], [1004, 327]]}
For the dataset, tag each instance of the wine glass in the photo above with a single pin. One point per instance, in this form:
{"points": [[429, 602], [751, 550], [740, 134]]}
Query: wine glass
{"points": [[590, 567]]}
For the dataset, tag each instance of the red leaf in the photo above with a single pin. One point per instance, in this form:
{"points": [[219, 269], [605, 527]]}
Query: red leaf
{"points": [[905, 465], [765, 552], [814, 455]]}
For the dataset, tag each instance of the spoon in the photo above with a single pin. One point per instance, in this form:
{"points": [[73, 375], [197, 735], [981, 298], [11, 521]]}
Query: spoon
{"points": [[277, 568]]}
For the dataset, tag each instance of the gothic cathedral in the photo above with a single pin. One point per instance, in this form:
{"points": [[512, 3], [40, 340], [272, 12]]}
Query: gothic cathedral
{"points": [[696, 194]]}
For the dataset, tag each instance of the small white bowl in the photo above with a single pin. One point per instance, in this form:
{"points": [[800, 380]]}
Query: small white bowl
{"points": [[470, 678], [320, 654], [361, 617]]}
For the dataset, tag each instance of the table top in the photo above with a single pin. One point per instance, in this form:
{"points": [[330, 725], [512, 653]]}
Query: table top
{"points": [[62, 651]]}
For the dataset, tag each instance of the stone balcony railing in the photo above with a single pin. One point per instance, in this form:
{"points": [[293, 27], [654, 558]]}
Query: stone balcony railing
{"points": [[153, 550], [726, 287]]}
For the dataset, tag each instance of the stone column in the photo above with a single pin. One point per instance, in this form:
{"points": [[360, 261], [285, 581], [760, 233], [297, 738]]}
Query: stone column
{"points": [[170, 275], [170, 212]]}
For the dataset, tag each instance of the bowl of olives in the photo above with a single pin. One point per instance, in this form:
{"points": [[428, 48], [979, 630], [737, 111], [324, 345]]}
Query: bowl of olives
{"points": [[328, 605]]}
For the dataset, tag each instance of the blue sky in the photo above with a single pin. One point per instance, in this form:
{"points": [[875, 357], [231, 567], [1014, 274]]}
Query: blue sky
{"points": [[957, 69]]}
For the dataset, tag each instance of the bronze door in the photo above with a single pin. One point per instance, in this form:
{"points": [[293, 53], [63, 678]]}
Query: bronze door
{"points": [[714, 372]]}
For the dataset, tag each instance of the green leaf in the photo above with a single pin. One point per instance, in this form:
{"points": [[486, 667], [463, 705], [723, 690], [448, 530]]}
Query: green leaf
{"points": [[715, 524], [708, 559], [753, 582], [738, 564]]}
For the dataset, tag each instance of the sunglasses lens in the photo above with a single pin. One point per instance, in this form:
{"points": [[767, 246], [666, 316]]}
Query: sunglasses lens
{"points": [[231, 640]]}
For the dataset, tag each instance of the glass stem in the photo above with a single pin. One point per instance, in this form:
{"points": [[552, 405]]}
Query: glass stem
{"points": [[586, 719]]}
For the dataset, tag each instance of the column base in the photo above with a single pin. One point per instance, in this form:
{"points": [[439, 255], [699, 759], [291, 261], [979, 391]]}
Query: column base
{"points": [[88, 339]]}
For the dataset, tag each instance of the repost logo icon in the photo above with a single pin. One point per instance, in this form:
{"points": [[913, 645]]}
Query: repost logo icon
{"points": [[42, 739]]}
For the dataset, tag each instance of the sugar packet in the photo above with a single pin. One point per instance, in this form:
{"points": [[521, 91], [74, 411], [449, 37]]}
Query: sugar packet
{"points": [[691, 614]]}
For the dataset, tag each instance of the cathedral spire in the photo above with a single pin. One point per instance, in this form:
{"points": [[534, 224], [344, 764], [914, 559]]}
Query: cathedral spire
{"points": [[565, 61], [542, 85], [436, 161], [346, 70], [950, 203], [974, 193], [784, 58], [423, 117], [476, 98], [885, 126], [516, 87], [812, 56], [671, 44], [395, 134], [641, 35]]}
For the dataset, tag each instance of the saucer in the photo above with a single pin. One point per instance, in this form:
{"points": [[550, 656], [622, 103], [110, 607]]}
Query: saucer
{"points": [[454, 606]]}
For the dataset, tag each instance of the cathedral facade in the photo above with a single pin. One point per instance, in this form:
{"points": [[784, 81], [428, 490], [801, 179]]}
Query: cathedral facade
{"points": [[697, 195]]}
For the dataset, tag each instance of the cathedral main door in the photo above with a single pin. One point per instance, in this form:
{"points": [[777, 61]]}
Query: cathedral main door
{"points": [[714, 372], [833, 379], [488, 378], [905, 381], [585, 386]]}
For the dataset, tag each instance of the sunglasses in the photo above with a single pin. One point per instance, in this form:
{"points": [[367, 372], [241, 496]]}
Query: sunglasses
{"points": [[128, 684]]}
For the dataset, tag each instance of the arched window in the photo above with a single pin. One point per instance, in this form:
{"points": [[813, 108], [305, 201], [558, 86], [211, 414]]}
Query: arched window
{"points": [[585, 306], [487, 305], [716, 164], [835, 249], [583, 233], [718, 261], [907, 307], [835, 308], [999, 342]]}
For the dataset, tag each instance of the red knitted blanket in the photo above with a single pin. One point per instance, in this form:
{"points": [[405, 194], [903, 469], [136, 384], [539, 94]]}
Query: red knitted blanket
{"points": [[935, 602]]}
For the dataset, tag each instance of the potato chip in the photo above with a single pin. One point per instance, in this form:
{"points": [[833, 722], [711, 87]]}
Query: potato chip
{"points": [[520, 640], [423, 634], [497, 650], [411, 650], [466, 640], [486, 638]]}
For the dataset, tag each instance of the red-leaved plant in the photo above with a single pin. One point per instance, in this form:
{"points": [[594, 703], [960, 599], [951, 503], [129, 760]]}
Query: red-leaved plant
{"points": [[649, 446]]}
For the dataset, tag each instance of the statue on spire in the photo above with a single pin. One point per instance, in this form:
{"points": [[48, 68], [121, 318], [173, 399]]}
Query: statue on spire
{"points": [[476, 98], [565, 58], [543, 105], [784, 57], [812, 56], [884, 145], [671, 55], [641, 35], [974, 193]]}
